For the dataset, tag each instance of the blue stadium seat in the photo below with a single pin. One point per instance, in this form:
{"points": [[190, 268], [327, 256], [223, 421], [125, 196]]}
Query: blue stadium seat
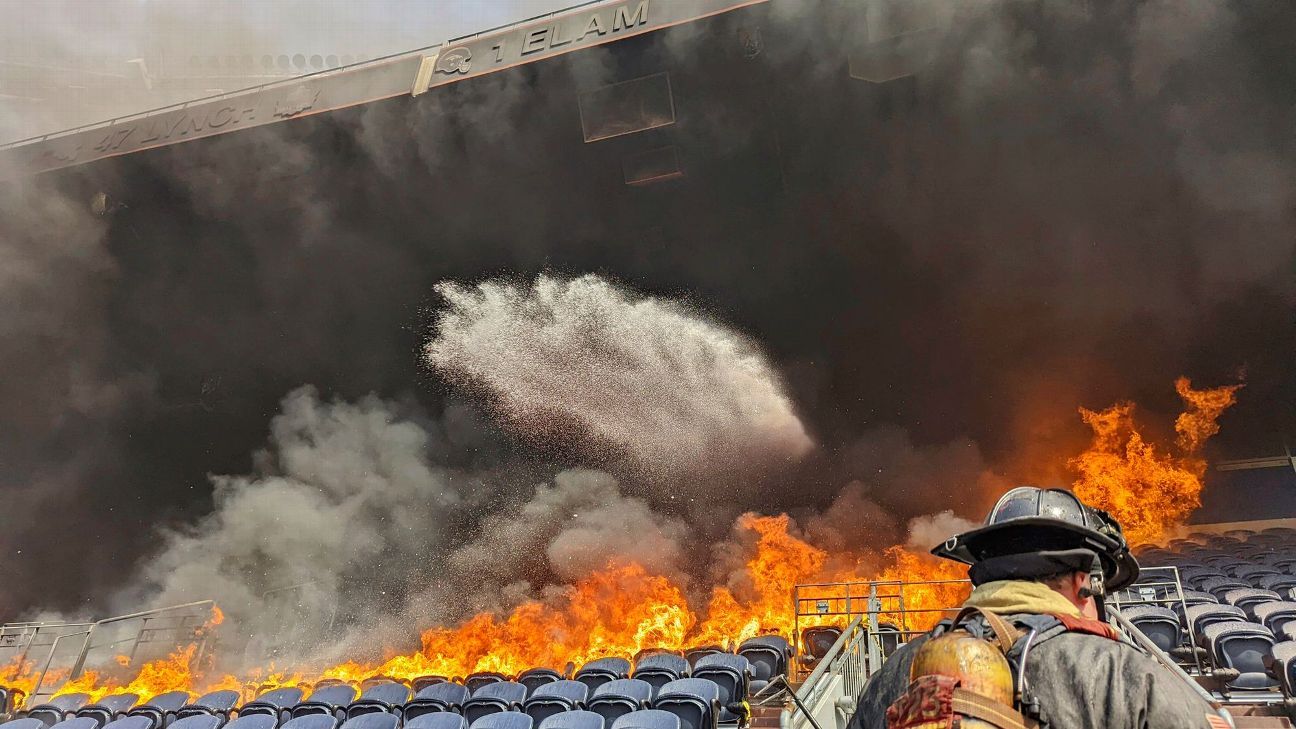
{"points": [[534, 678], [106, 709], [131, 722], [254, 721], [619, 697], [1248, 597], [327, 698], [161, 709], [693, 655], [696, 701], [1244, 647], [1274, 615], [200, 720], [1249, 573], [437, 697], [555, 698], [277, 703], [598, 672], [1160, 625], [659, 669], [387, 697], [422, 682], [573, 720], [1284, 665], [730, 673], [768, 656], [372, 720], [492, 698], [77, 722], [647, 719], [1200, 617], [25, 723], [58, 708], [212, 703], [436, 720], [1217, 586], [503, 720], [312, 721], [475, 681], [1278, 582]]}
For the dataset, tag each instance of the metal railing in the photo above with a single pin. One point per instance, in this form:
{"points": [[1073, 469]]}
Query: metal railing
{"points": [[839, 676]]}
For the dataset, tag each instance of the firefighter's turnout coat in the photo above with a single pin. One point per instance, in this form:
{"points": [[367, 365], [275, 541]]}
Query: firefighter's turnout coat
{"points": [[1080, 680]]}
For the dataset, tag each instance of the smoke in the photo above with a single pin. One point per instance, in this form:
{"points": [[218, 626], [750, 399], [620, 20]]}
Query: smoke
{"points": [[1066, 205], [644, 377]]}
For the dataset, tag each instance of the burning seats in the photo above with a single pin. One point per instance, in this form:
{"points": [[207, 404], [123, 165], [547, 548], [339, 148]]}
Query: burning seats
{"points": [[277, 703], [598, 672], [573, 720], [695, 701], [437, 720], [554, 698], [58, 708], [536, 677], [386, 697], [1243, 647], [106, 709], [214, 703], [503, 720], [161, 709], [768, 656], [731, 674], [494, 698], [817, 641], [327, 698], [647, 719], [620, 697], [1160, 625], [438, 697], [659, 669]]}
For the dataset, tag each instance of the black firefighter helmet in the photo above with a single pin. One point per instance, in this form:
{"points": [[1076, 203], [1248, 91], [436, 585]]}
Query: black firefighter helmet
{"points": [[1033, 532]]}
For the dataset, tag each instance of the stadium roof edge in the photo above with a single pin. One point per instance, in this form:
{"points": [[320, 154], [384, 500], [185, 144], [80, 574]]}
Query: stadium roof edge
{"points": [[412, 73]]}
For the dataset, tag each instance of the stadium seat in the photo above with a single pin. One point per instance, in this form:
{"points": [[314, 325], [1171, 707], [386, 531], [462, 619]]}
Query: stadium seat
{"points": [[1249, 573], [1274, 615], [387, 697], [492, 698], [1199, 617], [329, 698], [212, 703], [888, 636], [106, 709], [503, 720], [1248, 597], [817, 641], [1243, 647], [598, 672], [77, 722], [438, 697], [436, 720], [58, 708], [1195, 575], [619, 697], [1160, 625], [200, 720], [693, 655], [695, 701], [25, 723], [768, 657], [555, 698], [475, 681], [573, 720], [536, 677], [317, 720], [730, 673], [254, 721], [130, 722], [161, 709], [277, 703], [372, 720], [1217, 586], [647, 719], [659, 669], [1277, 582], [1284, 665], [422, 682]]}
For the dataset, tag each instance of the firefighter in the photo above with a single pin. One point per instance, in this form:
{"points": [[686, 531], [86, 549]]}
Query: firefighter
{"points": [[1039, 567]]}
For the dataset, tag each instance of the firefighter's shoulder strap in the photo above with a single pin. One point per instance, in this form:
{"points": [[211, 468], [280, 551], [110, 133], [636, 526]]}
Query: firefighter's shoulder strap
{"points": [[1005, 635]]}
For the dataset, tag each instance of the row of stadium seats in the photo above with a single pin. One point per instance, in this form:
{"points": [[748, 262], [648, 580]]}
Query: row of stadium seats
{"points": [[1223, 605], [711, 678], [572, 719]]}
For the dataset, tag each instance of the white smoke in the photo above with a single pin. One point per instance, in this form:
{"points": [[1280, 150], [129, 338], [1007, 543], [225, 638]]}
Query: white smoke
{"points": [[647, 378], [929, 531]]}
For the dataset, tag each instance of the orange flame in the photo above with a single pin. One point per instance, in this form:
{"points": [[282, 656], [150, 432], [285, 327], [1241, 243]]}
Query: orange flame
{"points": [[1148, 490]]}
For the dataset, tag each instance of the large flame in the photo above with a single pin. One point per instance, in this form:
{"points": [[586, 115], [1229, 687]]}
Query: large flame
{"points": [[625, 608], [1149, 490]]}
